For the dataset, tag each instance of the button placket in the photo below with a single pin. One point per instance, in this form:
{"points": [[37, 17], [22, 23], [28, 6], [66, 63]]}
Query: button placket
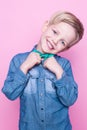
{"points": [[41, 95], [41, 99]]}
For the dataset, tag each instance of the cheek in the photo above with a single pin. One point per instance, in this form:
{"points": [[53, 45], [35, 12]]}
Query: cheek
{"points": [[48, 34], [42, 38], [60, 47]]}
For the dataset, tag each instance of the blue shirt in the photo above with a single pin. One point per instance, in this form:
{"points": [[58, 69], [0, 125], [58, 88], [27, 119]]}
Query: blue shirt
{"points": [[44, 100]]}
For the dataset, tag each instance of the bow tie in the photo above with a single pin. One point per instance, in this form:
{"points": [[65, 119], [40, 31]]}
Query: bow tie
{"points": [[45, 56]]}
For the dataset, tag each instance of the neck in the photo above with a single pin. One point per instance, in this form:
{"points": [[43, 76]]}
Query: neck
{"points": [[38, 47]]}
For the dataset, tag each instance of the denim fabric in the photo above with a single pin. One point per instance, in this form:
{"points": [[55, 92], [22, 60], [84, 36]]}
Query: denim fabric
{"points": [[44, 100]]}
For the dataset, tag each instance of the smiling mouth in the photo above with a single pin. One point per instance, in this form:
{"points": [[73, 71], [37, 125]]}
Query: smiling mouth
{"points": [[49, 44]]}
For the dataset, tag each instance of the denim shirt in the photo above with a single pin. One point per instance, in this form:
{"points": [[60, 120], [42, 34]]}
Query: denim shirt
{"points": [[44, 100]]}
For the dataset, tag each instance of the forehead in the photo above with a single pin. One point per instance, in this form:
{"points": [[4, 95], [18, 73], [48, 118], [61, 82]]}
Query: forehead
{"points": [[66, 31]]}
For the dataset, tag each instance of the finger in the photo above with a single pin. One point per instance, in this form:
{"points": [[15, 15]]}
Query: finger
{"points": [[38, 61]]}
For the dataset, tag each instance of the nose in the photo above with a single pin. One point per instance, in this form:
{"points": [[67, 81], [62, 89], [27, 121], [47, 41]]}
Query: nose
{"points": [[55, 41]]}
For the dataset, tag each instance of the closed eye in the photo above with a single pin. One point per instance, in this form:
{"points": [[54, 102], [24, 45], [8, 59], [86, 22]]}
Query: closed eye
{"points": [[54, 31]]}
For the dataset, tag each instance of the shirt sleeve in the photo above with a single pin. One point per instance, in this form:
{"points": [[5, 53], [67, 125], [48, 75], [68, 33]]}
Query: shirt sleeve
{"points": [[67, 89], [15, 82]]}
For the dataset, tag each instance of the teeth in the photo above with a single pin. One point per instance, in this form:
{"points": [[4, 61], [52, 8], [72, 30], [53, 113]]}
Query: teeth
{"points": [[50, 46]]}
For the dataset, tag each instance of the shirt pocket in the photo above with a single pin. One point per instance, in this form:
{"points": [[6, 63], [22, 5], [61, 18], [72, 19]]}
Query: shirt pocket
{"points": [[49, 84], [31, 87]]}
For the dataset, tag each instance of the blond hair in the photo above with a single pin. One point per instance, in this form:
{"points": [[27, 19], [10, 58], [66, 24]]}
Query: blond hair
{"points": [[70, 19]]}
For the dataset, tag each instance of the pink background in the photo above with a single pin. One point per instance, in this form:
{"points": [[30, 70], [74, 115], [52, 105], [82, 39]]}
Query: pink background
{"points": [[20, 29]]}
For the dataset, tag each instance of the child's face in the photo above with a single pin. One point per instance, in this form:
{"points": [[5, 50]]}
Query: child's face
{"points": [[56, 38]]}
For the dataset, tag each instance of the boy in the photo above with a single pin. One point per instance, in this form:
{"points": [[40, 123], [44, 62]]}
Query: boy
{"points": [[43, 80]]}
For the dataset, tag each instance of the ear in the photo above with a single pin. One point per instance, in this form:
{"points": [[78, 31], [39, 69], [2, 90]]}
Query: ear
{"points": [[45, 26]]}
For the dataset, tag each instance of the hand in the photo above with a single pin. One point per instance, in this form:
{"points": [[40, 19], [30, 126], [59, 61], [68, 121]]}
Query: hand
{"points": [[54, 67], [32, 59]]}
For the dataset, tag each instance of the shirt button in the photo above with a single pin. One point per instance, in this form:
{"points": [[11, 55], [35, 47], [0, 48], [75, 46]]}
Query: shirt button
{"points": [[41, 108], [42, 120], [41, 94], [41, 80]]}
